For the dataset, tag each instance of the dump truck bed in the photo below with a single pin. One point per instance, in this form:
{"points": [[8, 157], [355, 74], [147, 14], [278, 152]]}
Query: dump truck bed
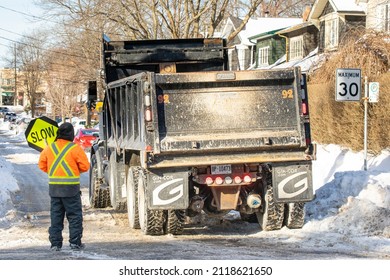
{"points": [[217, 111], [201, 113]]}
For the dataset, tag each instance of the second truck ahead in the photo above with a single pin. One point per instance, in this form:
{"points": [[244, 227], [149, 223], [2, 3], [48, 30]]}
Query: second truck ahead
{"points": [[181, 135]]}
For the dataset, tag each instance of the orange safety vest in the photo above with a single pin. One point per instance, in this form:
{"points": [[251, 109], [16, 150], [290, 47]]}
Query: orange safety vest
{"points": [[67, 177]]}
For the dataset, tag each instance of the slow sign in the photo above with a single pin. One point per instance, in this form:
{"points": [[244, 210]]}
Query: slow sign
{"points": [[40, 132]]}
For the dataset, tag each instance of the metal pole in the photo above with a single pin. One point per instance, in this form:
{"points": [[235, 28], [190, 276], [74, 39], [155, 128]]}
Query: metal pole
{"points": [[365, 120], [16, 97]]}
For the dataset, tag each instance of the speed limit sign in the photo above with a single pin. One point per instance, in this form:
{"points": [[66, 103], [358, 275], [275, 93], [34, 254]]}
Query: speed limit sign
{"points": [[348, 84]]}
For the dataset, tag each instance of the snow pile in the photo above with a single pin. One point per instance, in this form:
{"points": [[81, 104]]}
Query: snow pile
{"points": [[8, 185], [8, 182], [351, 201]]}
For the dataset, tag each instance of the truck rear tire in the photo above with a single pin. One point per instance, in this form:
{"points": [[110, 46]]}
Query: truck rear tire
{"points": [[132, 197], [272, 216], [98, 197], [117, 180], [151, 221], [174, 222], [294, 216]]}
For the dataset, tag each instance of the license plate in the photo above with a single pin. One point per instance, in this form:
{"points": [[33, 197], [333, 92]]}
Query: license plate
{"points": [[221, 169]]}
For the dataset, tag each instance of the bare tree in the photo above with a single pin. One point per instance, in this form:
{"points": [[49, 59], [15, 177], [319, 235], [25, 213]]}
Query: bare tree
{"points": [[30, 59], [151, 19], [82, 23], [286, 8], [65, 82]]}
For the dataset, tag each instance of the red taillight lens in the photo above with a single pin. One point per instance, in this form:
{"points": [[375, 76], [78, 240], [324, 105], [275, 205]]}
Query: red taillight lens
{"points": [[209, 180], [304, 108], [218, 180], [149, 148], [237, 180]]}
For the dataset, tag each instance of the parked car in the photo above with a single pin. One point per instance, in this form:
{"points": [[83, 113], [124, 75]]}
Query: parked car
{"points": [[78, 124], [10, 116], [22, 124], [85, 137], [4, 109]]}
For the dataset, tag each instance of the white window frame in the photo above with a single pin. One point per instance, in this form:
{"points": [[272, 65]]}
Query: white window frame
{"points": [[296, 48], [230, 58], [331, 31], [241, 58], [383, 16], [263, 56]]}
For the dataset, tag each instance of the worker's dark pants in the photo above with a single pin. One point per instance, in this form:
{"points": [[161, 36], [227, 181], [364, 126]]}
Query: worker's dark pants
{"points": [[72, 208]]}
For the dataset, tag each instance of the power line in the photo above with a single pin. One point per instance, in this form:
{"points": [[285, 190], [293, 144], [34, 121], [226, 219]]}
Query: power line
{"points": [[48, 50], [56, 22], [12, 32]]}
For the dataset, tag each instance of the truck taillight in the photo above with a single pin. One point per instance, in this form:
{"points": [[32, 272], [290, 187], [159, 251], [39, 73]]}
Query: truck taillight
{"points": [[209, 180], [305, 110], [212, 180], [247, 179], [148, 114], [219, 180], [237, 180], [147, 102], [228, 180]]}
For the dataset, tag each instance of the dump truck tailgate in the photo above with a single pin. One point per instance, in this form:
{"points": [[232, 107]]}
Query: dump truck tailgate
{"points": [[222, 111]]}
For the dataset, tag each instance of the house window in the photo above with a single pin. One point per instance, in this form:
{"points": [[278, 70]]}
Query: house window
{"points": [[331, 33], [263, 58], [241, 58], [230, 57], [296, 48], [383, 16]]}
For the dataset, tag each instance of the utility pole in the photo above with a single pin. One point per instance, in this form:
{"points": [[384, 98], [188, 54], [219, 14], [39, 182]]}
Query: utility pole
{"points": [[16, 100], [365, 121]]}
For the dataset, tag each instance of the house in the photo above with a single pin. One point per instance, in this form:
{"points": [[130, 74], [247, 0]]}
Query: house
{"points": [[270, 47], [302, 39], [327, 23], [378, 15], [335, 19], [7, 86], [242, 48]]}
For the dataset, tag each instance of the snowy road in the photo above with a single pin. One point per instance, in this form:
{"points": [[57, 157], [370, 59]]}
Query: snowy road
{"points": [[333, 228]]}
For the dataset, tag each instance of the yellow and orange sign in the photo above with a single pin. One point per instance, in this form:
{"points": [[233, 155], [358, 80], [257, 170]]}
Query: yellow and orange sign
{"points": [[41, 132]]}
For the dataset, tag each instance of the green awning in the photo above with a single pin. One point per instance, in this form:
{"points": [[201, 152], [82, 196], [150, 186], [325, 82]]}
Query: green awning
{"points": [[4, 93]]}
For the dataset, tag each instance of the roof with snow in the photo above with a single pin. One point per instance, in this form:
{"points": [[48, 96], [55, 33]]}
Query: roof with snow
{"points": [[340, 6], [255, 27]]}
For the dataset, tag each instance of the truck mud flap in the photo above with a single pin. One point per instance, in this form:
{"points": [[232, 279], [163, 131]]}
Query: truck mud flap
{"points": [[292, 182], [167, 189]]}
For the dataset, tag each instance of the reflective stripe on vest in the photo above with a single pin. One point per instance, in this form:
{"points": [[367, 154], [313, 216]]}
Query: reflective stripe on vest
{"points": [[60, 162]]}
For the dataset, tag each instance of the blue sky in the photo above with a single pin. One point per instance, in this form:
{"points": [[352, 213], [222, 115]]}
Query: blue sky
{"points": [[16, 22]]}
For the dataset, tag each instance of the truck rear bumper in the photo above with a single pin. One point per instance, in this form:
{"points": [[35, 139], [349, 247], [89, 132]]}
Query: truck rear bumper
{"points": [[183, 160]]}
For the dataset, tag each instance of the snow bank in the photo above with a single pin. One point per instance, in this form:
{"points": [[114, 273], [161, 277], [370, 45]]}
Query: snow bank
{"points": [[348, 199], [8, 182]]}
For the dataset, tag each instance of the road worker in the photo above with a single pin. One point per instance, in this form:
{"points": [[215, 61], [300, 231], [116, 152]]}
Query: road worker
{"points": [[63, 161]]}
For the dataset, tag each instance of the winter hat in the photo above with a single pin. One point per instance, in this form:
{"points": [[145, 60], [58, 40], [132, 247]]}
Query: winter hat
{"points": [[66, 131]]}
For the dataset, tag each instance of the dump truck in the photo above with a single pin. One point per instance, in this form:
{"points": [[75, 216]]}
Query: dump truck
{"points": [[181, 136]]}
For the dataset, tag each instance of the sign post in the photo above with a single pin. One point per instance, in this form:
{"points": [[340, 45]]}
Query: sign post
{"points": [[371, 94], [365, 120]]}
